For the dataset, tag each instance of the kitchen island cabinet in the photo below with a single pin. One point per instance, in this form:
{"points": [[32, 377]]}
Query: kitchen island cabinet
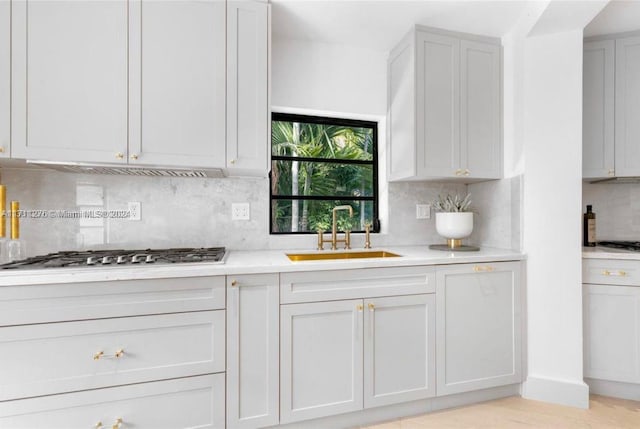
{"points": [[253, 350], [611, 310], [445, 106], [479, 326]]}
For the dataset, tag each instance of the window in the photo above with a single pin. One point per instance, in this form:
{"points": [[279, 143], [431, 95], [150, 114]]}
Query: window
{"points": [[318, 163]]}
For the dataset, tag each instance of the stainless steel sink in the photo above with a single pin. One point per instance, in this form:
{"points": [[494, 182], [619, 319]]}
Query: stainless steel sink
{"points": [[321, 256]]}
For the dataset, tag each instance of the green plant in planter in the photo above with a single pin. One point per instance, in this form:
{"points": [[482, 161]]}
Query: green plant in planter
{"points": [[452, 204]]}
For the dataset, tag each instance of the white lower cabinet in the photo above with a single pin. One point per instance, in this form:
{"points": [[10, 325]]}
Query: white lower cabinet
{"points": [[321, 348], [399, 349], [612, 332], [194, 402], [342, 356], [252, 350], [478, 326]]}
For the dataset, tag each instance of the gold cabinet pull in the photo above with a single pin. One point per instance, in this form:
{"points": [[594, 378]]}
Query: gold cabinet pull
{"points": [[480, 269], [118, 423], [1, 149], [360, 307], [100, 355], [234, 283], [119, 155], [458, 172], [232, 161], [134, 157], [618, 273], [467, 172], [612, 172], [372, 306], [98, 425]]}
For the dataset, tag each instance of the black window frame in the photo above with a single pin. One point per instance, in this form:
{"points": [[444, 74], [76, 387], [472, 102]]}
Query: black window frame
{"points": [[324, 120]]}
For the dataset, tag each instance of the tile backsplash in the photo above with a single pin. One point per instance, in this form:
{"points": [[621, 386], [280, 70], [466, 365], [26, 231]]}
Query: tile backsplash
{"points": [[190, 212], [617, 208]]}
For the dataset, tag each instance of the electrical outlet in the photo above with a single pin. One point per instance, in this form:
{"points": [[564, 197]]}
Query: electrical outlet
{"points": [[240, 211], [423, 211], [134, 210]]}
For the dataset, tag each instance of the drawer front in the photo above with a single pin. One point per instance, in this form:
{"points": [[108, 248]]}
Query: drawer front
{"points": [[611, 272], [350, 284], [65, 357], [95, 300], [194, 402]]}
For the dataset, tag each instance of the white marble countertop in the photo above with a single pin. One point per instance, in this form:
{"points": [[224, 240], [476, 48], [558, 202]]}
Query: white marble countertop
{"points": [[609, 253], [254, 262]]}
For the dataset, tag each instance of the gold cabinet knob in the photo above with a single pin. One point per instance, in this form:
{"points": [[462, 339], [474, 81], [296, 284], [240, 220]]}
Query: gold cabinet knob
{"points": [[466, 172], [98, 425], [372, 306], [234, 283], [134, 157], [360, 307], [119, 353], [612, 172], [117, 424], [119, 155], [458, 172], [232, 161], [1, 149], [98, 355]]}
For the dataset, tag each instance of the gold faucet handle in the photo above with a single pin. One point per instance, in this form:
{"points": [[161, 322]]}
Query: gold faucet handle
{"points": [[367, 236]]}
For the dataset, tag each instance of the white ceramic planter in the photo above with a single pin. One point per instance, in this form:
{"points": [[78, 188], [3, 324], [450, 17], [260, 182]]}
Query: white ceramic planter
{"points": [[454, 226]]}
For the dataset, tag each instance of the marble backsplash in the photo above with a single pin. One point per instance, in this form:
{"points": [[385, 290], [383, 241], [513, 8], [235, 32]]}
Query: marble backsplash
{"points": [[617, 208], [197, 212]]}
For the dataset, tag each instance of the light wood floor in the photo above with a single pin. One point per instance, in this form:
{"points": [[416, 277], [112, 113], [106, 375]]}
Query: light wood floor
{"points": [[515, 412]]}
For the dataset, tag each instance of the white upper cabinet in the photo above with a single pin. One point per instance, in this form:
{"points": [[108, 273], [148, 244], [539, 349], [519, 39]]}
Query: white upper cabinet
{"points": [[248, 121], [69, 87], [177, 82], [598, 109], [5, 78], [445, 107], [166, 83], [627, 110]]}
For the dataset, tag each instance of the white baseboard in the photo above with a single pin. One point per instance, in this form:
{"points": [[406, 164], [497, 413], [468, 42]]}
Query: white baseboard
{"points": [[563, 392], [615, 389]]}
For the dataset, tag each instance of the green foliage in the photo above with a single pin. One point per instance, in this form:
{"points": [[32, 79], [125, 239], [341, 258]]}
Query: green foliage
{"points": [[294, 178]]}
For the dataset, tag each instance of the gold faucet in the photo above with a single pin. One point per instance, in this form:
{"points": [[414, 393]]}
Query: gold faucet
{"points": [[334, 231]]}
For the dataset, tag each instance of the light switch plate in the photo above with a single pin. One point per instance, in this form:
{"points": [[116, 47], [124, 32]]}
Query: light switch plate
{"points": [[240, 211], [423, 211]]}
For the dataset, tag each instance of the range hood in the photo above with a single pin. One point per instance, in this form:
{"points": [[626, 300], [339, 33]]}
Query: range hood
{"points": [[126, 170]]}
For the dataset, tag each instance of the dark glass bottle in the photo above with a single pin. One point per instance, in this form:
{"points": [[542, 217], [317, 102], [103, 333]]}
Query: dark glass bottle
{"points": [[589, 228]]}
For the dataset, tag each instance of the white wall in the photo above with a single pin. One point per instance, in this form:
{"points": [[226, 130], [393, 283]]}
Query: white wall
{"points": [[552, 217], [328, 78]]}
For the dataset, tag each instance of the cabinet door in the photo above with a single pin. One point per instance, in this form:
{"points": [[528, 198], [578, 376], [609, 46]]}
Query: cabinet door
{"points": [[597, 109], [437, 105], [478, 325], [320, 359], [612, 333], [627, 128], [5, 78], [69, 80], [252, 351], [399, 349], [480, 110], [248, 136], [177, 68], [194, 402]]}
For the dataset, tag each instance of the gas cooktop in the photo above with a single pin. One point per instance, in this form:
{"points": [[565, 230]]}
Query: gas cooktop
{"points": [[101, 258], [626, 245]]}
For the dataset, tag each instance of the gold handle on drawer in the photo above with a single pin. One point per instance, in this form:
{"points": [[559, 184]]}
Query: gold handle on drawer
{"points": [[458, 172], [100, 355], [234, 283], [98, 425], [134, 157], [372, 306], [1, 149], [232, 161], [618, 273], [466, 172], [119, 155], [480, 269], [360, 307], [117, 424]]}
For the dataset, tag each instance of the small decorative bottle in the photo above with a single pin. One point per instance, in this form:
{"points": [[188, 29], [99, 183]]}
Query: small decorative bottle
{"points": [[589, 228]]}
